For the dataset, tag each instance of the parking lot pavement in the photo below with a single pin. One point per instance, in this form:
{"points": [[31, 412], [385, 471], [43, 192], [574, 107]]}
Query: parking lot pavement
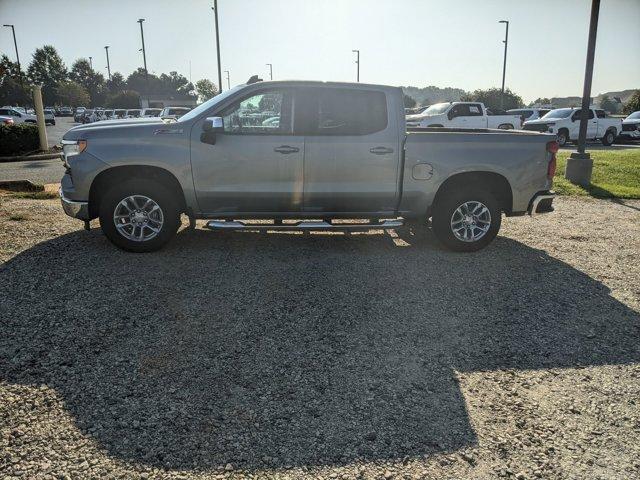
{"points": [[37, 171], [322, 356], [55, 132]]}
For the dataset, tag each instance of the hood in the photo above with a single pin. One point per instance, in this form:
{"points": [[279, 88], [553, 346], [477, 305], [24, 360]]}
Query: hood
{"points": [[76, 132], [632, 121], [539, 121], [416, 118]]}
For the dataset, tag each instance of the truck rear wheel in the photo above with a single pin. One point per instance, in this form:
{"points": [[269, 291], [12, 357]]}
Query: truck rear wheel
{"points": [[139, 215], [608, 138], [466, 221]]}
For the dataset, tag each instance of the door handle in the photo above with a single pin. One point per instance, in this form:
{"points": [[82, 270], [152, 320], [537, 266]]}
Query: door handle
{"points": [[286, 149], [381, 150]]}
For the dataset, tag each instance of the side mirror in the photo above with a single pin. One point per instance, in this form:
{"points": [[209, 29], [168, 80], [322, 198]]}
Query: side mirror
{"points": [[450, 115], [213, 124]]}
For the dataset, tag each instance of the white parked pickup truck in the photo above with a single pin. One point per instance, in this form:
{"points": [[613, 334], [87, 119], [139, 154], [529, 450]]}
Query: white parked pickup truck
{"points": [[565, 123], [463, 115]]}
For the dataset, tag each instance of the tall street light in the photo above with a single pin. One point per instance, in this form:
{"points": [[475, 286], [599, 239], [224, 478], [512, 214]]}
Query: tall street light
{"points": [[15, 44], [270, 65], [580, 164], [91, 62], [228, 80], [357, 52], [144, 52], [215, 11], [106, 49], [504, 65]]}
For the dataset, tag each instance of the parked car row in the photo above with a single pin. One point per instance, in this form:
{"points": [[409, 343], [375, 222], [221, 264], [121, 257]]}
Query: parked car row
{"points": [[84, 115], [20, 115]]}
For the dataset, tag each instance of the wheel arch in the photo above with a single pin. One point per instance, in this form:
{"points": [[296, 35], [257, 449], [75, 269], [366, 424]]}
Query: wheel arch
{"points": [[107, 177], [497, 184]]}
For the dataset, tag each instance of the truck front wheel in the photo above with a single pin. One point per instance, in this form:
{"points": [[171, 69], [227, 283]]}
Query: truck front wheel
{"points": [[139, 215], [563, 138], [466, 221]]}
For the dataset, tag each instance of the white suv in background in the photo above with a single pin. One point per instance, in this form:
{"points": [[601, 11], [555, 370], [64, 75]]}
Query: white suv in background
{"points": [[631, 126]]}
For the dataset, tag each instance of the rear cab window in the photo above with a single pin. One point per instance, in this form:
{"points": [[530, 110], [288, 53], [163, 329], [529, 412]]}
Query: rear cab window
{"points": [[329, 111]]}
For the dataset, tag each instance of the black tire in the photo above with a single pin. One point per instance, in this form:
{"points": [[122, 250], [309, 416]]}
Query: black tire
{"points": [[444, 210], [609, 138], [505, 126], [563, 138], [154, 191]]}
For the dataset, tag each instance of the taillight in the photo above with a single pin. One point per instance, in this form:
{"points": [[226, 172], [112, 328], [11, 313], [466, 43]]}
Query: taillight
{"points": [[552, 148]]}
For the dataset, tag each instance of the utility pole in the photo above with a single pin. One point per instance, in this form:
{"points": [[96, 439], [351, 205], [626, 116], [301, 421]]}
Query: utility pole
{"points": [[580, 164], [270, 65], [106, 49], [504, 65], [15, 44], [228, 80], [91, 62], [215, 11], [357, 52], [144, 52]]}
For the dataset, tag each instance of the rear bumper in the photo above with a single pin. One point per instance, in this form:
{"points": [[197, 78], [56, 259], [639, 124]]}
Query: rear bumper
{"points": [[542, 202], [79, 210]]}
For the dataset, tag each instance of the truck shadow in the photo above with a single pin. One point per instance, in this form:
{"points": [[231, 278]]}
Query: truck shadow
{"points": [[272, 350]]}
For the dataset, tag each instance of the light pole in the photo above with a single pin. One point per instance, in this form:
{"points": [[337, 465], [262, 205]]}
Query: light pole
{"points": [[357, 52], [91, 62], [580, 164], [270, 65], [228, 80], [144, 52], [504, 65], [106, 49], [215, 11], [15, 44]]}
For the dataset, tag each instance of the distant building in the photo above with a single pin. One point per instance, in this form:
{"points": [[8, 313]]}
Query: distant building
{"points": [[161, 101]]}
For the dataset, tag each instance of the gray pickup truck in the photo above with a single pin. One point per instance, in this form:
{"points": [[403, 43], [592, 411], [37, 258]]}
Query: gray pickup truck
{"points": [[314, 152]]}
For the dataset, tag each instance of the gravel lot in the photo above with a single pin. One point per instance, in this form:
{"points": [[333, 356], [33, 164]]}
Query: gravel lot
{"points": [[322, 356]]}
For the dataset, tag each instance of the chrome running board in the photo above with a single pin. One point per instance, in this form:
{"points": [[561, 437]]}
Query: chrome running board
{"points": [[303, 225]]}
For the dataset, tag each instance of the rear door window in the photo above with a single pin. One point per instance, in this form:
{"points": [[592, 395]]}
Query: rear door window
{"points": [[340, 111]]}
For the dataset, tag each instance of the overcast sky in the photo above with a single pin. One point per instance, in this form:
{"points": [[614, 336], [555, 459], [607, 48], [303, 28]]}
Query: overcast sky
{"points": [[456, 43]]}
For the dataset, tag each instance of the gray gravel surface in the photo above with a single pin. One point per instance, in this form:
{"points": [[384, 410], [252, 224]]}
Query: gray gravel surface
{"points": [[249, 355]]}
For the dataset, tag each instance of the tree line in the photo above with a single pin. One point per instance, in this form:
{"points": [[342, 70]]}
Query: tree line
{"points": [[81, 85]]}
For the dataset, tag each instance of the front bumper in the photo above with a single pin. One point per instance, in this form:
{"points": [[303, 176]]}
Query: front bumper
{"points": [[79, 210], [542, 202]]}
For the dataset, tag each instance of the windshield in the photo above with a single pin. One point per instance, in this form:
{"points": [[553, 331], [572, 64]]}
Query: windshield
{"points": [[559, 113], [634, 116], [436, 109], [203, 107]]}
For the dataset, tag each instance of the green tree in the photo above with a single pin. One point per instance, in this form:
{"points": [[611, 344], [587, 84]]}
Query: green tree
{"points": [[541, 101], [409, 101], [608, 105], [633, 105], [492, 99], [124, 99], [139, 81], [47, 69], [174, 83], [72, 94], [117, 83], [206, 89], [11, 86], [92, 81]]}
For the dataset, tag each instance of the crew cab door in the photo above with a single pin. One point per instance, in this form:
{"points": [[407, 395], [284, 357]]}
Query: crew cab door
{"points": [[467, 115], [351, 148], [592, 125], [253, 165]]}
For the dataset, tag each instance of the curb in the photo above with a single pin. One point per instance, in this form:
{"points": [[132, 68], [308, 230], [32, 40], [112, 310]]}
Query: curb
{"points": [[43, 156]]}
